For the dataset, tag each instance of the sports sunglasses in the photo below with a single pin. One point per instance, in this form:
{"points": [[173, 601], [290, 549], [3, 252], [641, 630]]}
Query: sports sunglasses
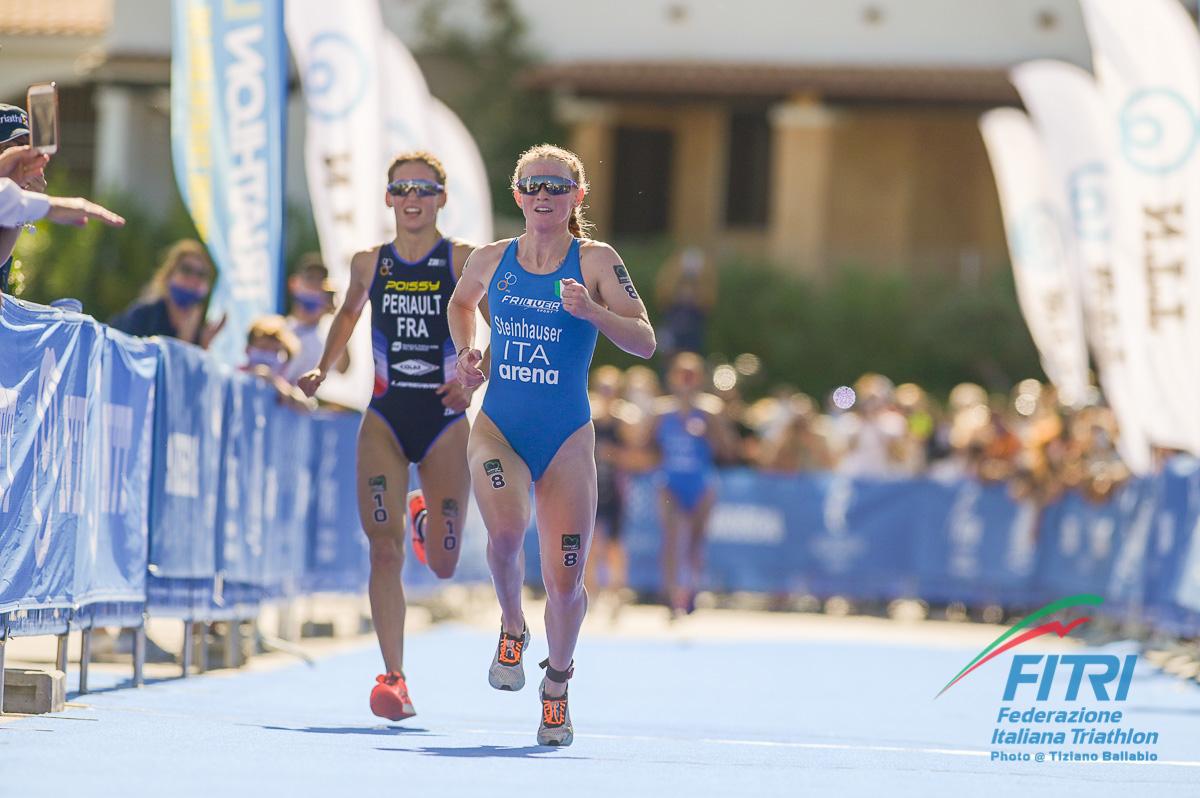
{"points": [[553, 184], [424, 188]]}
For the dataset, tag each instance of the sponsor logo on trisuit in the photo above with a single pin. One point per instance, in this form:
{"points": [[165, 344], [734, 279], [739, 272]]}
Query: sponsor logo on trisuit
{"points": [[414, 368], [413, 285]]}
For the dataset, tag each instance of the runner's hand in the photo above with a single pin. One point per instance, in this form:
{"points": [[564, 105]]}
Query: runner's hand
{"points": [[469, 373], [310, 381], [577, 301], [455, 396]]}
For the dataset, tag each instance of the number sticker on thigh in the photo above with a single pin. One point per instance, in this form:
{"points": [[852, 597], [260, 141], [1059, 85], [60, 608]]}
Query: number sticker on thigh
{"points": [[495, 472], [378, 486], [570, 547]]}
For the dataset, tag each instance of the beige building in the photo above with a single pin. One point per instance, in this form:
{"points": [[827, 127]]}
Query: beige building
{"points": [[814, 167], [816, 133]]}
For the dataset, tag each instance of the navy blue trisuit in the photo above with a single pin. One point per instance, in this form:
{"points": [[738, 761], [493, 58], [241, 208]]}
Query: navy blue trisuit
{"points": [[410, 340], [537, 391]]}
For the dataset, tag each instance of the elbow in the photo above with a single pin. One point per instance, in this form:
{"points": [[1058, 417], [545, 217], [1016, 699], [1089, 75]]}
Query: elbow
{"points": [[648, 348]]}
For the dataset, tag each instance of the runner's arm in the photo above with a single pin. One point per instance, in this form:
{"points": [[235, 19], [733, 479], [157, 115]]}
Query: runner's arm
{"points": [[620, 314], [362, 271]]}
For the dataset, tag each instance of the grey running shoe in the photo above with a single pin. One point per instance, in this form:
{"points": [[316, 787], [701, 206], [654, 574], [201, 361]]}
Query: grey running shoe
{"points": [[555, 728], [507, 672]]}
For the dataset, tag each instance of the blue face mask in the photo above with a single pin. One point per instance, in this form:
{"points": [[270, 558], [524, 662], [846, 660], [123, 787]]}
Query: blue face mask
{"points": [[185, 298], [265, 357], [309, 302]]}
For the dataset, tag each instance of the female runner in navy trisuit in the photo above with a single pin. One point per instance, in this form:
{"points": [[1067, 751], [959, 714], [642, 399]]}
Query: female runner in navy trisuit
{"points": [[416, 410], [550, 291]]}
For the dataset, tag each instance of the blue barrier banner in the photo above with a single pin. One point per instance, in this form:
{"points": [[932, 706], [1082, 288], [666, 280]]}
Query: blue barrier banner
{"points": [[240, 550], [186, 479], [228, 94], [110, 568], [859, 537], [288, 500], [47, 358], [976, 544], [753, 543], [1171, 576], [819, 534], [338, 557], [1133, 516], [1091, 547]]}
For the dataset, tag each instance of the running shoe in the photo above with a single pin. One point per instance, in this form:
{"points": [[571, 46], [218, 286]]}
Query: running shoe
{"points": [[389, 698], [507, 672], [555, 728], [416, 522]]}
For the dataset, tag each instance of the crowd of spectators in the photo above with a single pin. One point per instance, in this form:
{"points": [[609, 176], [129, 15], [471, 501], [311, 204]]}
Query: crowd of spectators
{"points": [[875, 429]]}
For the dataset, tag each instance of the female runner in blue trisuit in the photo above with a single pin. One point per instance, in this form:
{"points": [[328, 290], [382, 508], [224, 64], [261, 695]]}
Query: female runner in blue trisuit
{"points": [[549, 291]]}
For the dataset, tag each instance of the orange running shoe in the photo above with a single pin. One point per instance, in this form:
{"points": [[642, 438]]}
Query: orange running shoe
{"points": [[507, 672], [389, 698], [416, 522], [556, 728]]}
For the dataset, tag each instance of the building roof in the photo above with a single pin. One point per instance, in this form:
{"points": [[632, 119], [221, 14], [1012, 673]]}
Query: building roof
{"points": [[55, 17], [879, 83]]}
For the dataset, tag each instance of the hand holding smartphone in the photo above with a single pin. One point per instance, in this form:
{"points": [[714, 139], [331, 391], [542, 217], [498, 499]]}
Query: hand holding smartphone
{"points": [[42, 102]]}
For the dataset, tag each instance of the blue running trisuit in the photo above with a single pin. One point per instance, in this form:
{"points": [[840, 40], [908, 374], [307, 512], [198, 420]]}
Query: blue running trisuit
{"points": [[537, 393], [410, 338], [688, 468]]}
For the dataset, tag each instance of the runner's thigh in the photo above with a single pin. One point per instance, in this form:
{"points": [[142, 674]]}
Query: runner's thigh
{"points": [[566, 510], [382, 482]]}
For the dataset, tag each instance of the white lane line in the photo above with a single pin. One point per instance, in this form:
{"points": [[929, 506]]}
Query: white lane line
{"points": [[893, 749]]}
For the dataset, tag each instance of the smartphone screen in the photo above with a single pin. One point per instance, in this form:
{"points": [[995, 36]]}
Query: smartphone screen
{"points": [[43, 117]]}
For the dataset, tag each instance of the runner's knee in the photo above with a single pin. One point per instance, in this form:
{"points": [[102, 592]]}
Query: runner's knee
{"points": [[564, 585], [387, 553], [442, 562], [505, 543]]}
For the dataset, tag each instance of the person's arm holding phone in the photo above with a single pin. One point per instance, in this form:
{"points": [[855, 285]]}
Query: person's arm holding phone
{"points": [[42, 102]]}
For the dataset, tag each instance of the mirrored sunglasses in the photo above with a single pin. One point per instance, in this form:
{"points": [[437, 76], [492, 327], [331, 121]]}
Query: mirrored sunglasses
{"points": [[554, 184], [424, 188]]}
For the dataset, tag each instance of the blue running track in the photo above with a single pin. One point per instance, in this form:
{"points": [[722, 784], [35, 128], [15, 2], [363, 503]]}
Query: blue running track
{"points": [[652, 717]]}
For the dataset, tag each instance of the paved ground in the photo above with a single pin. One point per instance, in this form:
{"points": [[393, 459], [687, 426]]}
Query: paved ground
{"points": [[723, 704]]}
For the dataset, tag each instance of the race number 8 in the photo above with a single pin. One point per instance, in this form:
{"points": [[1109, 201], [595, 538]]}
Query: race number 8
{"points": [[497, 480]]}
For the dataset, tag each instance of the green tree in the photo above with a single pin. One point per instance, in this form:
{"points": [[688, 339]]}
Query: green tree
{"points": [[817, 335], [480, 79]]}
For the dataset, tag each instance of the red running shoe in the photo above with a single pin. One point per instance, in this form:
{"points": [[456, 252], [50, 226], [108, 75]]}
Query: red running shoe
{"points": [[390, 698], [416, 522]]}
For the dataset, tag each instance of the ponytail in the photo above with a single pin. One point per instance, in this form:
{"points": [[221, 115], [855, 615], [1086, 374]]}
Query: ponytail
{"points": [[578, 225]]}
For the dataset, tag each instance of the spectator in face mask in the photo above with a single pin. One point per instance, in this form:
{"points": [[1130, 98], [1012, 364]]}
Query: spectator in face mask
{"points": [[309, 319], [270, 346], [173, 304]]}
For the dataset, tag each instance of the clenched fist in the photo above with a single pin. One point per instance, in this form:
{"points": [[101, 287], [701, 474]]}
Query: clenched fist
{"points": [[469, 373], [577, 301]]}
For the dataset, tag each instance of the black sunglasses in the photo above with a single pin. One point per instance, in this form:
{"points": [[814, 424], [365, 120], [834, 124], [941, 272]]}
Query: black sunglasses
{"points": [[553, 184], [424, 188], [193, 270]]}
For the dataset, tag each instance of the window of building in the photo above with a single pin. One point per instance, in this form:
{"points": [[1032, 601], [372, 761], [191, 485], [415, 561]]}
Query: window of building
{"points": [[642, 193], [748, 179]]}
